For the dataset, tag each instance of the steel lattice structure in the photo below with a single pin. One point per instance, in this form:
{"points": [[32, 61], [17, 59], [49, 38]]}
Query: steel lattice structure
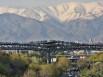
{"points": [[51, 46]]}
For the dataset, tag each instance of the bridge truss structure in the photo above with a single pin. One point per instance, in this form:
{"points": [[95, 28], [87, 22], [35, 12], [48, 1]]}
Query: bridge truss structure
{"points": [[50, 46]]}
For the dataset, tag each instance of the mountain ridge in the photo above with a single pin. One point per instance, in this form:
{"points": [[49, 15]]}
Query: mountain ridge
{"points": [[59, 22], [71, 10]]}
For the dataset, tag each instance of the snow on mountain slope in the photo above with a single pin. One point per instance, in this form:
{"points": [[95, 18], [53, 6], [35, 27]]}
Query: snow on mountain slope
{"points": [[62, 12], [67, 21]]}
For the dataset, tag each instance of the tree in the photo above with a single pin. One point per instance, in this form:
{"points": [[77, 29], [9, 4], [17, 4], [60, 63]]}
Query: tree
{"points": [[82, 63], [96, 69], [30, 73], [49, 70], [63, 63], [34, 67], [4, 70]]}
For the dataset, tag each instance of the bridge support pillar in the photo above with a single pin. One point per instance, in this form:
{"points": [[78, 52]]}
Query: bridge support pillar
{"points": [[88, 52], [48, 58]]}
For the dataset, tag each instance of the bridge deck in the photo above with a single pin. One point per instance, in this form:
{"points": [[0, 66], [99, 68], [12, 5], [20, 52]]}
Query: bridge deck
{"points": [[49, 46]]}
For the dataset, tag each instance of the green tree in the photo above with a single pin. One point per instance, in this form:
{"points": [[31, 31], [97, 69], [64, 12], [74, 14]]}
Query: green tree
{"points": [[49, 70], [30, 73], [63, 63]]}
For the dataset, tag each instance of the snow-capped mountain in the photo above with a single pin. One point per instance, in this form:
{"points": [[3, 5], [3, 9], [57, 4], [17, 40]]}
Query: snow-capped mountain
{"points": [[67, 21], [63, 12]]}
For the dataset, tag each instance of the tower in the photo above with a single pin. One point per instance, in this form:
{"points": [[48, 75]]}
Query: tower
{"points": [[90, 41]]}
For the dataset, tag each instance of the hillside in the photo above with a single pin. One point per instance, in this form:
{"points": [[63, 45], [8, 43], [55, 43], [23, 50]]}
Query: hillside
{"points": [[67, 21]]}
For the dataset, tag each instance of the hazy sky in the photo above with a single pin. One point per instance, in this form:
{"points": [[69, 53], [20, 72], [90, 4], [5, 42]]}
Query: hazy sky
{"points": [[30, 3]]}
